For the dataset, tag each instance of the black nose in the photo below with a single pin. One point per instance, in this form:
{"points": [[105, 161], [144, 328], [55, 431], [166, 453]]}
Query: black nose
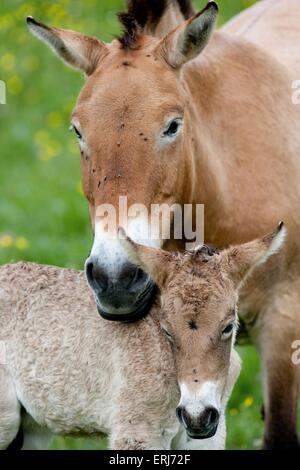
{"points": [[200, 426], [129, 276], [128, 292]]}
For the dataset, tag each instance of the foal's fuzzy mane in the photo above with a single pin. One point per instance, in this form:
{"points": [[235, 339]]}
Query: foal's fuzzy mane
{"points": [[146, 12], [204, 252]]}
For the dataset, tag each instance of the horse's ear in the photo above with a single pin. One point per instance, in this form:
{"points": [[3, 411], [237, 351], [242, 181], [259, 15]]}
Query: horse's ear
{"points": [[77, 50], [239, 261], [175, 13], [153, 261], [189, 38]]}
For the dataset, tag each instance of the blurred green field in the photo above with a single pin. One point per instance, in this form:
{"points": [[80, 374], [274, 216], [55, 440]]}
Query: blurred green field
{"points": [[43, 215]]}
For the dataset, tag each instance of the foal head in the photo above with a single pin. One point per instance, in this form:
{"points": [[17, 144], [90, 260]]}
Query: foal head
{"points": [[199, 295], [132, 121]]}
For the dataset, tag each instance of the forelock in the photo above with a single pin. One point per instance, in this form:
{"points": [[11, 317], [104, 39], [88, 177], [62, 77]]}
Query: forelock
{"points": [[139, 14]]}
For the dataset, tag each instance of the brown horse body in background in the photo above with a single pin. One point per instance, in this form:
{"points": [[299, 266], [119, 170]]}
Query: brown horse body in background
{"points": [[160, 124]]}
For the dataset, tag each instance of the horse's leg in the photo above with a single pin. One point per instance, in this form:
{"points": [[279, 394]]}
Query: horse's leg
{"points": [[276, 331], [281, 396], [141, 421], [10, 412], [142, 437], [36, 437]]}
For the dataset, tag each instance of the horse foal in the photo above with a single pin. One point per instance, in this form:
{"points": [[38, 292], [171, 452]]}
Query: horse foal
{"points": [[67, 371]]}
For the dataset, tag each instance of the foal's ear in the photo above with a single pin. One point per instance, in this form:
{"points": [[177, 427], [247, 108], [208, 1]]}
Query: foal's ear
{"points": [[153, 261], [240, 260], [77, 50], [190, 38]]}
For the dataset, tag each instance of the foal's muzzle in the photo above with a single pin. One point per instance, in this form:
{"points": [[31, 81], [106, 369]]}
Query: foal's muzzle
{"points": [[125, 297], [202, 426]]}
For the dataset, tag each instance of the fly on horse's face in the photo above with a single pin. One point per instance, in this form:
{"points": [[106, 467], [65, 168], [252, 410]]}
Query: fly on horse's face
{"points": [[199, 294], [130, 116], [132, 121]]}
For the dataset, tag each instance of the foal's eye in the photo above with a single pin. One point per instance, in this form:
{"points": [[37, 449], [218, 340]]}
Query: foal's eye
{"points": [[173, 128], [227, 332], [167, 334]]}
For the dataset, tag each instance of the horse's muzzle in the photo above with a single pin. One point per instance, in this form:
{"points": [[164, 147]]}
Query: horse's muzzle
{"points": [[203, 426], [126, 297]]}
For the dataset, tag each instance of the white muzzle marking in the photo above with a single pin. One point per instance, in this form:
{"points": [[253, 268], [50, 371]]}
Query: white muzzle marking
{"points": [[107, 250], [206, 396]]}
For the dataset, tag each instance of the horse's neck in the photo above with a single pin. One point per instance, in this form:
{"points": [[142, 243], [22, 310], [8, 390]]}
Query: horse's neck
{"points": [[214, 82], [231, 111], [274, 26]]}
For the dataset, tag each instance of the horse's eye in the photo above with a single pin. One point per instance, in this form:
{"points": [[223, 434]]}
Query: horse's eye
{"points": [[227, 332], [173, 128], [167, 334], [78, 135]]}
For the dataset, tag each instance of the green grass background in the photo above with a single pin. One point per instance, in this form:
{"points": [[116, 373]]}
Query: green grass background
{"points": [[43, 214]]}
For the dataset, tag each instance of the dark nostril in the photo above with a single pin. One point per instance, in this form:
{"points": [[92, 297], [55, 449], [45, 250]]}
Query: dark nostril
{"points": [[131, 276], [185, 418], [182, 416], [210, 417], [96, 276], [179, 413], [89, 270], [140, 275]]}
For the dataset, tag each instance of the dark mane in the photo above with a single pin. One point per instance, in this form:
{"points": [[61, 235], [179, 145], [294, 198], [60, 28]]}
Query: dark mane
{"points": [[186, 8], [146, 12]]}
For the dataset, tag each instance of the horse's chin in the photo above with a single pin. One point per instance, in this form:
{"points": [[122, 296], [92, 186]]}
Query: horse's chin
{"points": [[128, 314], [197, 435]]}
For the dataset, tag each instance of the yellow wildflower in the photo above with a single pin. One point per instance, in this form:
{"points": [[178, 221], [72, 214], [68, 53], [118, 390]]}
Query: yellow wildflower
{"points": [[6, 241], [8, 62], [49, 150], [54, 119], [233, 412], [248, 402], [21, 243]]}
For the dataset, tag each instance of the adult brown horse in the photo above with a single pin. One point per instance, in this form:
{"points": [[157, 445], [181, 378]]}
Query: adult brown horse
{"points": [[159, 122]]}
